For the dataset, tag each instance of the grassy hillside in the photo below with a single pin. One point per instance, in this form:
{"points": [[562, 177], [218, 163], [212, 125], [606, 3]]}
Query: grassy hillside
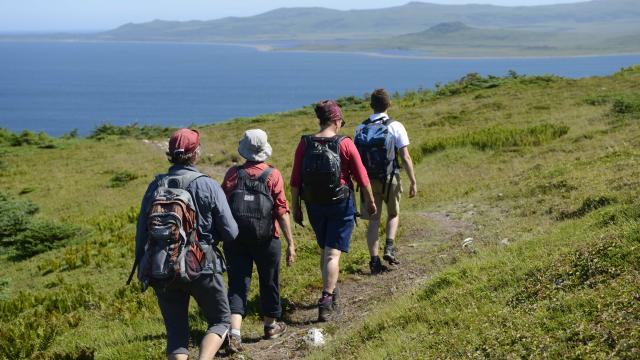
{"points": [[544, 168]]}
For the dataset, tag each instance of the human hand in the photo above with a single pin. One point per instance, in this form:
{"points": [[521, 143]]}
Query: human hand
{"points": [[297, 215], [371, 208], [291, 255], [413, 190]]}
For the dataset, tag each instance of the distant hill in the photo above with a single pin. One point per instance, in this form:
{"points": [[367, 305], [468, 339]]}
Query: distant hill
{"points": [[593, 27], [321, 23]]}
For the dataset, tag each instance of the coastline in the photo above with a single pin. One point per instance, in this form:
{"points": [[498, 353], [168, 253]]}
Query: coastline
{"points": [[272, 48]]}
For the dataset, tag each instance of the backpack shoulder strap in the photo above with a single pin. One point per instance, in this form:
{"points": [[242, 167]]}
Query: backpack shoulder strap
{"points": [[388, 121], [338, 138], [242, 173], [265, 175], [188, 178], [184, 180]]}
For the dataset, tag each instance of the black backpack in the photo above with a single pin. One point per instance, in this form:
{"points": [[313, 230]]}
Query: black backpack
{"points": [[321, 171], [252, 207], [376, 146]]}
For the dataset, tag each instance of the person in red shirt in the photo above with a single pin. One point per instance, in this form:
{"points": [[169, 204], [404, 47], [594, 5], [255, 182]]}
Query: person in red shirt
{"points": [[241, 254], [328, 196]]}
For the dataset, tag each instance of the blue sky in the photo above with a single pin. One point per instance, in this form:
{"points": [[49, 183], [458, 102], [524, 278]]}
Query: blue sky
{"points": [[88, 15]]}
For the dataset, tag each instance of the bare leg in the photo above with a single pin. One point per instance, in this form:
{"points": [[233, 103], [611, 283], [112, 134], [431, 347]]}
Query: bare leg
{"points": [[392, 227], [332, 269], [323, 269], [178, 357], [209, 346], [372, 236], [236, 321]]}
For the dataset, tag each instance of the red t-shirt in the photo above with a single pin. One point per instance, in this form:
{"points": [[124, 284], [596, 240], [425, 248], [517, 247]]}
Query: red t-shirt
{"points": [[349, 156], [275, 184]]}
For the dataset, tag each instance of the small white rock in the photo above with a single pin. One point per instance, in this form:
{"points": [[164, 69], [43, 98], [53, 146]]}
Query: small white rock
{"points": [[467, 242], [314, 337], [504, 241]]}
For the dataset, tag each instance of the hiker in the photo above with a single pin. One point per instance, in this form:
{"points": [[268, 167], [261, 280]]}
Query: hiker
{"points": [[323, 166], [255, 191], [379, 140], [183, 215]]}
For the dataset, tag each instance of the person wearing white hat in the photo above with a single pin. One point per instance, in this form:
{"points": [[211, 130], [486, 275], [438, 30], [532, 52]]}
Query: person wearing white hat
{"points": [[257, 199]]}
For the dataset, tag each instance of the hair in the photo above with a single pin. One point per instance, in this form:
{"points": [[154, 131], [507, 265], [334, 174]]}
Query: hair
{"points": [[380, 101], [182, 158], [328, 111]]}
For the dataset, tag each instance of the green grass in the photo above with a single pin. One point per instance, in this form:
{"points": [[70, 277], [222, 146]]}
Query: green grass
{"points": [[548, 163]]}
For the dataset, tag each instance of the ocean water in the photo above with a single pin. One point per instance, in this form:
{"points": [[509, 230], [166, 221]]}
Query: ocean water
{"points": [[57, 87]]}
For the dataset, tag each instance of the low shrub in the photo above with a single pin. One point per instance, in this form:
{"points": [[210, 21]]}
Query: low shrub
{"points": [[597, 100], [588, 205], [40, 236], [29, 237], [134, 130], [40, 139], [469, 82], [496, 137], [122, 178], [32, 321], [626, 106], [353, 102], [16, 216]]}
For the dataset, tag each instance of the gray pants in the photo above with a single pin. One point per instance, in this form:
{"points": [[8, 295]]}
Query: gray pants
{"points": [[209, 292]]}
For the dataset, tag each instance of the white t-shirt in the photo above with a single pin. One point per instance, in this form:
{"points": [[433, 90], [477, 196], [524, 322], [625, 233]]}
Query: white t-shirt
{"points": [[395, 128]]}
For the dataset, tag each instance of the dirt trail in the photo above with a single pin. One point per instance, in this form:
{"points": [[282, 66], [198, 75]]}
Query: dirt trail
{"points": [[360, 293]]}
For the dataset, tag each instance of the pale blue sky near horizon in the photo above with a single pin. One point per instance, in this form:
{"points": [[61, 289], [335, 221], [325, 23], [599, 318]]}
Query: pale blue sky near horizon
{"points": [[94, 15]]}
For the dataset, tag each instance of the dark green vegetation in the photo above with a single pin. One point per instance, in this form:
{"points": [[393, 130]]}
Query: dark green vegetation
{"points": [[546, 168]]}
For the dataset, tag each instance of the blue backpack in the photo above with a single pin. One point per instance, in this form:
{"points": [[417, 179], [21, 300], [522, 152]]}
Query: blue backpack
{"points": [[377, 148]]}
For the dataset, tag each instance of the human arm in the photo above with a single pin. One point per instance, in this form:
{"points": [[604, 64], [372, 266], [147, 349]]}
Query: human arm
{"points": [[285, 226], [407, 163], [295, 206], [141, 225], [224, 225], [281, 212], [296, 183], [369, 201], [360, 174]]}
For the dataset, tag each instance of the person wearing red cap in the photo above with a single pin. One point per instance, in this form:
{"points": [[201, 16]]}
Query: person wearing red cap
{"points": [[214, 223], [323, 167]]}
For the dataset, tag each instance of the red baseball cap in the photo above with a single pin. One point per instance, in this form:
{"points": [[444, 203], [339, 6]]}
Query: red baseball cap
{"points": [[184, 140]]}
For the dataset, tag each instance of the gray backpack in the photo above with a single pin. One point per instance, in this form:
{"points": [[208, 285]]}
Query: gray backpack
{"points": [[172, 251]]}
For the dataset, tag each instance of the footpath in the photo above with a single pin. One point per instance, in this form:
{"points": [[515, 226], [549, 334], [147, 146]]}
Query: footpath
{"points": [[421, 250]]}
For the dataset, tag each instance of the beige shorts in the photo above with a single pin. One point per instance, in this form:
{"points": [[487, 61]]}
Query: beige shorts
{"points": [[387, 193]]}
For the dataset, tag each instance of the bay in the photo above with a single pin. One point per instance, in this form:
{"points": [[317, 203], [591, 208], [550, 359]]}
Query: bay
{"points": [[56, 87]]}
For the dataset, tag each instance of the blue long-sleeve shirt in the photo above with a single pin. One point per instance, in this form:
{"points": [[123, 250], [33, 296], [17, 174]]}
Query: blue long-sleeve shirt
{"points": [[214, 220]]}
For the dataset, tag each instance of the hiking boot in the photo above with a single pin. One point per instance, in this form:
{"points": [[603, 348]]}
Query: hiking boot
{"points": [[274, 331], [376, 266], [325, 307], [233, 344], [390, 255]]}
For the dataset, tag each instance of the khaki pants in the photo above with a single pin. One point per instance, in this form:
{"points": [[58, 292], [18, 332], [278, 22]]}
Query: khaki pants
{"points": [[387, 193]]}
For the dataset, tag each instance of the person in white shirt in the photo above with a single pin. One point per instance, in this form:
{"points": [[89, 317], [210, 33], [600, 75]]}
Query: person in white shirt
{"points": [[387, 191]]}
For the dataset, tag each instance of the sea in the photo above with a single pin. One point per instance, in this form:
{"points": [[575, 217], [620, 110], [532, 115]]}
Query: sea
{"points": [[57, 87]]}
